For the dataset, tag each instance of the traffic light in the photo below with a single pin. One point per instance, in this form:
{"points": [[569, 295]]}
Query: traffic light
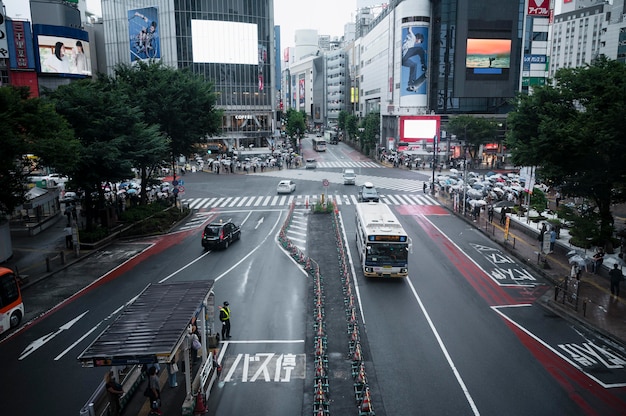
{"points": [[208, 151]]}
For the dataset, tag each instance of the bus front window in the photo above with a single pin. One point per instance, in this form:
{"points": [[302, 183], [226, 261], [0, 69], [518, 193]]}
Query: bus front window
{"points": [[387, 252]]}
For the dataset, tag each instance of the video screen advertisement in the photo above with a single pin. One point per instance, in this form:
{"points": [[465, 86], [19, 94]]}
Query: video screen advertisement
{"points": [[62, 51], [143, 31], [488, 58], [417, 131]]}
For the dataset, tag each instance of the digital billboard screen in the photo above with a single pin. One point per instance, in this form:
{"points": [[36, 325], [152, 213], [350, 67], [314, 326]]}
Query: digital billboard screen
{"points": [[225, 42], [488, 54], [62, 50]]}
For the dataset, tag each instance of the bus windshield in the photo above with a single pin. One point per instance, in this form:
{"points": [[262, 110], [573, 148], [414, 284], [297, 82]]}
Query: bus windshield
{"points": [[387, 253]]}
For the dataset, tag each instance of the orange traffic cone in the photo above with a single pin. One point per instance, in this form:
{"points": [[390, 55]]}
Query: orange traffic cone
{"points": [[200, 405], [366, 405]]}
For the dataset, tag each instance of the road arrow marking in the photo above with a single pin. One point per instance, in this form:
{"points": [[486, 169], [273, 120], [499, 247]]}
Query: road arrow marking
{"points": [[259, 222], [38, 343]]}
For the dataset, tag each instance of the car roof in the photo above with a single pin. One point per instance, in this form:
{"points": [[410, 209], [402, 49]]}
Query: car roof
{"points": [[284, 181], [310, 160], [348, 171], [368, 185]]}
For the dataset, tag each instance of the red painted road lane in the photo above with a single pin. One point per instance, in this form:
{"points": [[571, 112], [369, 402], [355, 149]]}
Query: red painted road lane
{"points": [[598, 400], [592, 398], [492, 293]]}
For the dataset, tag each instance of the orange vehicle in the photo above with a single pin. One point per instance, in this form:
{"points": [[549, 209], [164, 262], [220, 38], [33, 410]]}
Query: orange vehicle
{"points": [[11, 305]]}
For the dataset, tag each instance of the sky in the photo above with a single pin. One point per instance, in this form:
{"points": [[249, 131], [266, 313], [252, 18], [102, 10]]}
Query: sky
{"points": [[328, 17]]}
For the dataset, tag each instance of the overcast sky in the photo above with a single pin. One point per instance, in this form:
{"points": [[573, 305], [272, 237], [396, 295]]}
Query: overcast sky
{"points": [[328, 17]]}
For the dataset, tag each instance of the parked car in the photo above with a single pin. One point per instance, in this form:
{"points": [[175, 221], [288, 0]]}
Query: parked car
{"points": [[349, 177], [286, 186], [310, 164], [367, 193], [220, 235]]}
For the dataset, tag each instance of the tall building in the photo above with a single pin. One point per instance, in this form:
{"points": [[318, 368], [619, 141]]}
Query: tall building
{"points": [[230, 43]]}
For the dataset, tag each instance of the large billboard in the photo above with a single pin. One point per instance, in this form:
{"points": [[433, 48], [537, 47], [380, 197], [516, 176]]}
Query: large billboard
{"points": [[418, 130], [143, 31], [414, 60], [215, 41], [488, 56], [62, 50], [301, 90]]}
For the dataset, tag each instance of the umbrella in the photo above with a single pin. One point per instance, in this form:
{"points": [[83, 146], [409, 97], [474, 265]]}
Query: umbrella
{"points": [[454, 171], [475, 194], [132, 191], [478, 202], [580, 261]]}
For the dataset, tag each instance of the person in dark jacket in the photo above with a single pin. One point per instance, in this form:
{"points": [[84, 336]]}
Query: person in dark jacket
{"points": [[225, 318], [615, 275]]}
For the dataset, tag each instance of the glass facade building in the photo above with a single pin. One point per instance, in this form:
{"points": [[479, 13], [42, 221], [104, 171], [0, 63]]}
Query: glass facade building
{"points": [[229, 42]]}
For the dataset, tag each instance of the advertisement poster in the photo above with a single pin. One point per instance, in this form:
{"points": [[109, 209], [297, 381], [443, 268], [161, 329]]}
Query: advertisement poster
{"points": [[63, 55], [143, 28], [414, 60], [301, 90]]}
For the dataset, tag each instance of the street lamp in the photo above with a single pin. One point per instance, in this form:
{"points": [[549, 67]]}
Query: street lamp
{"points": [[432, 191]]}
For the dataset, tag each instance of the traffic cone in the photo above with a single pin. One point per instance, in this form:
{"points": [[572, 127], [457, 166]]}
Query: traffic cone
{"points": [[200, 405], [366, 404]]}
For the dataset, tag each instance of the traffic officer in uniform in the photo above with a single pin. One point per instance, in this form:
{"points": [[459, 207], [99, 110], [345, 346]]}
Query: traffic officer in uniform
{"points": [[225, 318]]}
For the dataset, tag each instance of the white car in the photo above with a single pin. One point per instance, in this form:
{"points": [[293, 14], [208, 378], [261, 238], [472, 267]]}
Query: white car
{"points": [[286, 186], [310, 164], [349, 177]]}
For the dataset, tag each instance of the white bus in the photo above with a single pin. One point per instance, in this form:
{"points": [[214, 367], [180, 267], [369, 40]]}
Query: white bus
{"points": [[382, 242], [319, 144]]}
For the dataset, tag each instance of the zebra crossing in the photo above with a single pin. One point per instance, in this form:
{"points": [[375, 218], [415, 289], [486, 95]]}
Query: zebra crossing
{"points": [[349, 164], [282, 201]]}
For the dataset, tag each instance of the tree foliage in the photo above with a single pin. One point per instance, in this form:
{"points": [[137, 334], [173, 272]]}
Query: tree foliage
{"points": [[296, 125], [574, 132], [473, 131], [30, 126], [180, 102], [371, 131]]}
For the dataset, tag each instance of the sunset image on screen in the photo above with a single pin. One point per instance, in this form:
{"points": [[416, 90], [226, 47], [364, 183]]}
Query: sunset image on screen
{"points": [[488, 53]]}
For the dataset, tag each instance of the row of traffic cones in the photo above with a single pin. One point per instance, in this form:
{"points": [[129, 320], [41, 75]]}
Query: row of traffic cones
{"points": [[361, 388]]}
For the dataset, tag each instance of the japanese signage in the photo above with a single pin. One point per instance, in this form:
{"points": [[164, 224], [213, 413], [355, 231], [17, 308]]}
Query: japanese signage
{"points": [[539, 8], [20, 45]]}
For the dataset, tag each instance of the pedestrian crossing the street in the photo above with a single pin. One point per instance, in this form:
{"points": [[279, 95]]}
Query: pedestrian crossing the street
{"points": [[282, 201]]}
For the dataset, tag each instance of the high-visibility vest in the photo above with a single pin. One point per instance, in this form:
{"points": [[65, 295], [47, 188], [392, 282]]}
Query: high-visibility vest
{"points": [[226, 315]]}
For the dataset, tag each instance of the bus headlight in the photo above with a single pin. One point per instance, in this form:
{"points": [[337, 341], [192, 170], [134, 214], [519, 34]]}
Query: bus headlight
{"points": [[369, 269], [403, 270]]}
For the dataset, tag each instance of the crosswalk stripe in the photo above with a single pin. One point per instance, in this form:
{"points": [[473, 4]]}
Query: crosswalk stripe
{"points": [[286, 200]]}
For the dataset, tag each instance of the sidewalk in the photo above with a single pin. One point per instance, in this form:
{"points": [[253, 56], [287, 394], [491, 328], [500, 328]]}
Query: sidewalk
{"points": [[596, 309]]}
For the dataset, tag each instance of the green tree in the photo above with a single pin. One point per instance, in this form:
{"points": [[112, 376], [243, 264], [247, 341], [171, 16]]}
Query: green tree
{"points": [[352, 126], [371, 126], [574, 132], [473, 131], [30, 126], [104, 121], [180, 102], [296, 125], [342, 118]]}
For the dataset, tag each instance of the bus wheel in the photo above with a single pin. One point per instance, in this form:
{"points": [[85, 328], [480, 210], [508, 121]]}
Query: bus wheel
{"points": [[16, 318]]}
